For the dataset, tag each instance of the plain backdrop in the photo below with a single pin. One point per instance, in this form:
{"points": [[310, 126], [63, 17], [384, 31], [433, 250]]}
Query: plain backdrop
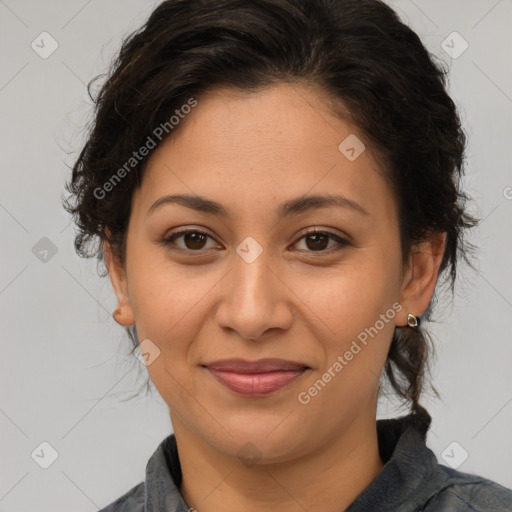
{"points": [[65, 373]]}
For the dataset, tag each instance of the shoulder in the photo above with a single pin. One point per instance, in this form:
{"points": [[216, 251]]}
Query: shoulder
{"points": [[465, 492], [132, 501]]}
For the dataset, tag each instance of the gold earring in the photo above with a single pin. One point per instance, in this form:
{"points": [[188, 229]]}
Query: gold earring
{"points": [[412, 321]]}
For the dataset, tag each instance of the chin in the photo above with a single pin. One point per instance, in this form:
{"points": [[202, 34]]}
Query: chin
{"points": [[255, 440]]}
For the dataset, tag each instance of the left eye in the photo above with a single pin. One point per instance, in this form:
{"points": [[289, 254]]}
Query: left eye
{"points": [[319, 240], [194, 241]]}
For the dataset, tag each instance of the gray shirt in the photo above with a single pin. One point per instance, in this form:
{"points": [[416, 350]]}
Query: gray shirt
{"points": [[411, 480]]}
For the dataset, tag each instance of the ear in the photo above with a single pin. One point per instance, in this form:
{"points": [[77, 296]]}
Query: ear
{"points": [[421, 276], [123, 314]]}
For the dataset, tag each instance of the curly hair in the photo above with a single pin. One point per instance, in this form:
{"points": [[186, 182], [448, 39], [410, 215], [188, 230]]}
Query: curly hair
{"points": [[358, 51]]}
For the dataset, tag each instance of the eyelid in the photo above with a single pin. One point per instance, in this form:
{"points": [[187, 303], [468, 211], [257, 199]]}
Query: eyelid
{"points": [[168, 239], [323, 231], [341, 240]]}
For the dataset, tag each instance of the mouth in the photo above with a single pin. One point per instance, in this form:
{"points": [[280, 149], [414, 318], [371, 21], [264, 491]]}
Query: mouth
{"points": [[256, 378]]}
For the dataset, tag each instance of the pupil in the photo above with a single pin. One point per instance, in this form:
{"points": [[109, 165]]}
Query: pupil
{"points": [[196, 238], [315, 245]]}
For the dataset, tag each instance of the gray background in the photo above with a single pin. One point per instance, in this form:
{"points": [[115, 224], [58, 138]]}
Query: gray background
{"points": [[64, 363]]}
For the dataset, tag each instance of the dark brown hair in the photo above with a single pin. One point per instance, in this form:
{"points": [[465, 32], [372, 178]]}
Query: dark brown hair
{"points": [[358, 51]]}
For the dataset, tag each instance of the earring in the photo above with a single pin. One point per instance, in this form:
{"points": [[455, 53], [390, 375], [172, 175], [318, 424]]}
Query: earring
{"points": [[412, 321]]}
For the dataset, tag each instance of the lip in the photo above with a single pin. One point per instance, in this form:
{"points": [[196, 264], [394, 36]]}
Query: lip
{"points": [[256, 378]]}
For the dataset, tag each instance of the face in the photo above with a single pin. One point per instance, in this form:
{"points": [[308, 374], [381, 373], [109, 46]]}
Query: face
{"points": [[266, 272]]}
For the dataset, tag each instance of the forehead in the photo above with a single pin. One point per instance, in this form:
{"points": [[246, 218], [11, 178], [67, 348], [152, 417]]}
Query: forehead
{"points": [[279, 142]]}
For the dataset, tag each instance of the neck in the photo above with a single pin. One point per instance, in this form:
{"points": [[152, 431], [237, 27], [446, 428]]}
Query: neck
{"points": [[327, 480]]}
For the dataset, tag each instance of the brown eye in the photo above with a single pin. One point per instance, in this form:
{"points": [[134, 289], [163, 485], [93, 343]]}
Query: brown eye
{"points": [[318, 241], [192, 240]]}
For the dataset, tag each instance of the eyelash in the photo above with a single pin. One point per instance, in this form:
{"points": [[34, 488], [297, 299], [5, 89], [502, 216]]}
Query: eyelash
{"points": [[342, 242]]}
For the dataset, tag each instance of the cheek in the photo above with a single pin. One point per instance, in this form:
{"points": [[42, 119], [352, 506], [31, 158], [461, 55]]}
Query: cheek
{"points": [[360, 315], [168, 306], [350, 299], [171, 316], [357, 307], [165, 295]]}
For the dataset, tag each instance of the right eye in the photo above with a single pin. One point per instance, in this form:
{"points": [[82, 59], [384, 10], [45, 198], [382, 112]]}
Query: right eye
{"points": [[192, 240]]}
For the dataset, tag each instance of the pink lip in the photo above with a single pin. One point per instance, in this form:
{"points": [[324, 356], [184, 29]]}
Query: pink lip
{"points": [[256, 378]]}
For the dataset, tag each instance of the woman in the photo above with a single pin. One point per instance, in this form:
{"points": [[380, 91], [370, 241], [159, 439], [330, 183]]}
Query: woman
{"points": [[274, 185]]}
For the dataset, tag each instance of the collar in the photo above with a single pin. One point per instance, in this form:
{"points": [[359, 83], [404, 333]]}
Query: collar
{"points": [[409, 476], [411, 473]]}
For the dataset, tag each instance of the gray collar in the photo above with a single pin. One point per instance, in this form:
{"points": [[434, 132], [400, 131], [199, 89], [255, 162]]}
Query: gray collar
{"points": [[410, 474]]}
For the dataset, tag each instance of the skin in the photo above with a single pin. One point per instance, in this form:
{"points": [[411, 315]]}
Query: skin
{"points": [[251, 152]]}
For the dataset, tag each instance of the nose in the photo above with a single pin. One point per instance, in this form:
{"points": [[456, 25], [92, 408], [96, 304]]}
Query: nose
{"points": [[255, 300]]}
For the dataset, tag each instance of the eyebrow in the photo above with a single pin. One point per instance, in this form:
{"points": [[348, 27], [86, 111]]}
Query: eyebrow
{"points": [[286, 209]]}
